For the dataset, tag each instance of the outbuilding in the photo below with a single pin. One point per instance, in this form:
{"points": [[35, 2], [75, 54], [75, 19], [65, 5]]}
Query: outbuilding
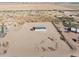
{"points": [[73, 29], [39, 28]]}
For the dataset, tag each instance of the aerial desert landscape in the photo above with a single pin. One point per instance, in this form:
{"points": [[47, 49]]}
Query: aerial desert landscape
{"points": [[39, 29]]}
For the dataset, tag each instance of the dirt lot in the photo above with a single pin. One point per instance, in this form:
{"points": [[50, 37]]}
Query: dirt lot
{"points": [[69, 37], [25, 42]]}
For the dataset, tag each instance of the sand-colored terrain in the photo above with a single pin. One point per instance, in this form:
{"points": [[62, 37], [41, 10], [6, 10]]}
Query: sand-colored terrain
{"points": [[19, 18], [74, 6], [25, 42], [30, 6]]}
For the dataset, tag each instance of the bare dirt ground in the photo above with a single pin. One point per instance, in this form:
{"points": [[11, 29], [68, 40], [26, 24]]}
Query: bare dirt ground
{"points": [[69, 37], [72, 6], [24, 42], [29, 6]]}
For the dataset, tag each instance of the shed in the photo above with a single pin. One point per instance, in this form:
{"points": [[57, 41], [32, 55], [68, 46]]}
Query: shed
{"points": [[74, 29], [39, 28]]}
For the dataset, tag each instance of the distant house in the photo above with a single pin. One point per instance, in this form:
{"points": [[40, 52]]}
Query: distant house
{"points": [[39, 28], [71, 26], [73, 29]]}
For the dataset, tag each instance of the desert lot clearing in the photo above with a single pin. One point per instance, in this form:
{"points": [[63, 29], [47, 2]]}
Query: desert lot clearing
{"points": [[25, 42]]}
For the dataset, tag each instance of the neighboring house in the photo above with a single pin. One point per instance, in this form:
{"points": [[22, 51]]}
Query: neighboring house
{"points": [[73, 29], [38, 28], [71, 26]]}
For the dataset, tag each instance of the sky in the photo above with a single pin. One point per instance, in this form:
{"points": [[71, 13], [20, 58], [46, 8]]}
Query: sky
{"points": [[39, 0]]}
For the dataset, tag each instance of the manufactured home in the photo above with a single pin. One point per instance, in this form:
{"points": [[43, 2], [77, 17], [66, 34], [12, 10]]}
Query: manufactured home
{"points": [[72, 29], [39, 28]]}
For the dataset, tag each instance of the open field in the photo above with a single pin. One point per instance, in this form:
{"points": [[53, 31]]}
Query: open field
{"points": [[25, 42], [30, 6], [20, 40], [71, 5]]}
